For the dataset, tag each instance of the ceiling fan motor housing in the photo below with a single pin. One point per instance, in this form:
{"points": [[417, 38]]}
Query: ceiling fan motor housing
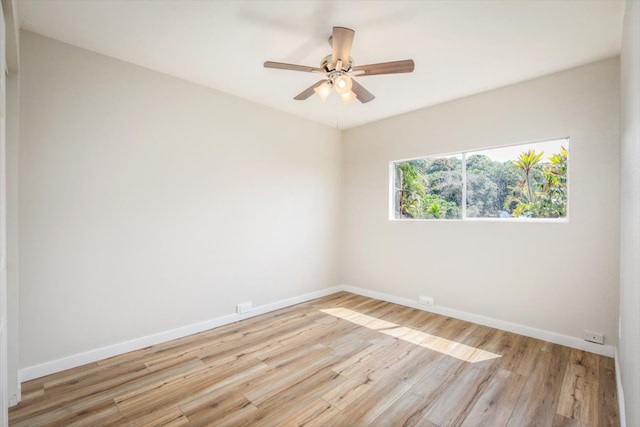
{"points": [[326, 64]]}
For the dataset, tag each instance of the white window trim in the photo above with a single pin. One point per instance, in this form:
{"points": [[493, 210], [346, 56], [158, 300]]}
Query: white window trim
{"points": [[463, 209]]}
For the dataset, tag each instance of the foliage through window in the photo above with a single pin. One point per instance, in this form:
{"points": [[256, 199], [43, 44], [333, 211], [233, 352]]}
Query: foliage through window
{"points": [[520, 181]]}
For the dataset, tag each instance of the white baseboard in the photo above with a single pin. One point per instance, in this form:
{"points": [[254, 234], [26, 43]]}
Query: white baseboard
{"points": [[620, 392], [15, 398], [573, 342], [90, 356]]}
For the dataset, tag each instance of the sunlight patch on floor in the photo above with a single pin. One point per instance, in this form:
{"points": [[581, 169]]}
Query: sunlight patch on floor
{"points": [[432, 342]]}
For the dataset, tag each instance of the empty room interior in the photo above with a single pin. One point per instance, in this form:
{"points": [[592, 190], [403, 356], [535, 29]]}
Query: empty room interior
{"points": [[320, 213]]}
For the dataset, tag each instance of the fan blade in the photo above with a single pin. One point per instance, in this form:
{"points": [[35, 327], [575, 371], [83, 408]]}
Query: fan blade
{"points": [[308, 91], [363, 95], [405, 66], [341, 41], [292, 67]]}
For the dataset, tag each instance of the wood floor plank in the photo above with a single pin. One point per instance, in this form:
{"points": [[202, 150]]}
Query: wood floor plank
{"points": [[318, 413], [411, 410], [607, 408], [347, 392], [539, 398], [212, 396], [497, 342], [168, 416], [346, 344], [522, 358], [385, 362], [580, 388], [286, 377], [367, 407], [171, 390], [223, 407], [456, 402], [342, 360], [376, 359], [419, 364], [69, 399], [408, 411], [560, 421], [281, 407], [496, 404]]}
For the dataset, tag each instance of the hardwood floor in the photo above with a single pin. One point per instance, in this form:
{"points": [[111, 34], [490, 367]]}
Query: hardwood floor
{"points": [[342, 360]]}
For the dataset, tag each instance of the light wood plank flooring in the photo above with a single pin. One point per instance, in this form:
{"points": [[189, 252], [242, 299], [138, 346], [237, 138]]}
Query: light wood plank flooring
{"points": [[342, 360]]}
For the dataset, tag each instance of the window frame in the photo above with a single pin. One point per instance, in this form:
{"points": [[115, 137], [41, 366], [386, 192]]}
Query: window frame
{"points": [[463, 207]]}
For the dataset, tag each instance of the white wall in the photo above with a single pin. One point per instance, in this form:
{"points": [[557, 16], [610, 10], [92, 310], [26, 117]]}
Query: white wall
{"points": [[149, 203], [556, 277], [9, 8], [629, 347], [4, 370], [12, 137]]}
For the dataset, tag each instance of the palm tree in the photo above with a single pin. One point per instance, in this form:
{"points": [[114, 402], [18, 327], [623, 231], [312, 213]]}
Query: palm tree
{"points": [[526, 162]]}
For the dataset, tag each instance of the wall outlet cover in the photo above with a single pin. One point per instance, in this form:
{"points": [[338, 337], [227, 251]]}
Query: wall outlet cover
{"points": [[428, 301], [244, 307], [595, 337]]}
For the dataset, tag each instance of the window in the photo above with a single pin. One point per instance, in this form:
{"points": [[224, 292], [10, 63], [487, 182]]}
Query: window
{"points": [[519, 181]]}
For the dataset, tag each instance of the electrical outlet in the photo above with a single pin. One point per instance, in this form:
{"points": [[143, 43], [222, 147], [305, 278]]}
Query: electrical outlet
{"points": [[428, 301], [595, 337], [244, 307]]}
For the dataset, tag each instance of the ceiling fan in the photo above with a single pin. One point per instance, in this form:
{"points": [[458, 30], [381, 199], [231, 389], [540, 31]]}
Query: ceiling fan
{"points": [[338, 70]]}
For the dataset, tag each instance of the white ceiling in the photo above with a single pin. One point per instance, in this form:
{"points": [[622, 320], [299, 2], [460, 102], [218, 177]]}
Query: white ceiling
{"points": [[459, 47]]}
